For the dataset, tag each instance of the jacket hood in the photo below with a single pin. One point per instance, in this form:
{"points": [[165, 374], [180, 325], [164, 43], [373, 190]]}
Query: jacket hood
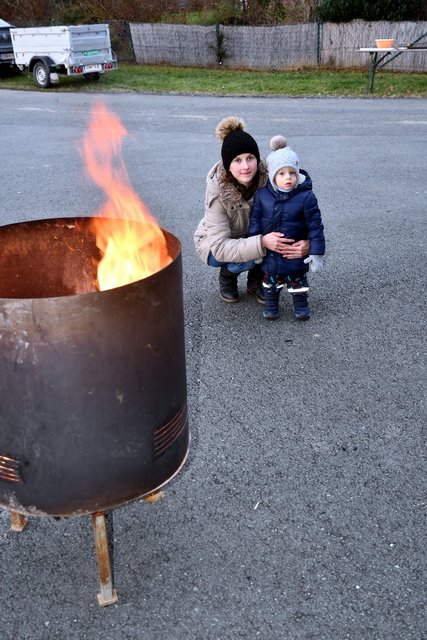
{"points": [[304, 184]]}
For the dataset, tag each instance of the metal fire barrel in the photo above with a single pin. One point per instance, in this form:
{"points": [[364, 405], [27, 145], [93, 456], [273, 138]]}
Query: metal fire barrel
{"points": [[93, 409]]}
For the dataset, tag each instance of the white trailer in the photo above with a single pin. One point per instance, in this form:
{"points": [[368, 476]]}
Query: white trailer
{"points": [[73, 50]]}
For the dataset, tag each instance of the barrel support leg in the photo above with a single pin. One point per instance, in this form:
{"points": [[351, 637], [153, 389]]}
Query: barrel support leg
{"points": [[108, 594], [19, 522]]}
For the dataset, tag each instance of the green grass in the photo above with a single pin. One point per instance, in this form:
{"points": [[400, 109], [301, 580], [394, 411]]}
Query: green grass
{"points": [[165, 79]]}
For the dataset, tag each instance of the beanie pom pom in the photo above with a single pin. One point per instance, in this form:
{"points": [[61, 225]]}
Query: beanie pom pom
{"points": [[278, 142], [227, 126]]}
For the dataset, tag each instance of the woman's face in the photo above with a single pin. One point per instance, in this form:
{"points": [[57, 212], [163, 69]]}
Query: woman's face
{"points": [[244, 167]]}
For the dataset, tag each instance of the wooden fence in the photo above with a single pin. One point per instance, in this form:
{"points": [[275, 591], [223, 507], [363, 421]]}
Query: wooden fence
{"points": [[275, 48]]}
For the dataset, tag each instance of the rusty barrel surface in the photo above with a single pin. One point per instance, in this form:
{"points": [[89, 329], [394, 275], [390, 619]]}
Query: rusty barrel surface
{"points": [[93, 399]]}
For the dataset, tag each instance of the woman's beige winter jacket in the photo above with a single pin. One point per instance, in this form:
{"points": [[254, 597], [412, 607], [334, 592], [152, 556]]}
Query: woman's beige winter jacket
{"points": [[222, 230]]}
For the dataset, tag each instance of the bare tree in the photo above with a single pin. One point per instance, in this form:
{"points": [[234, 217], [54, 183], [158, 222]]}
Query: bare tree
{"points": [[26, 10]]}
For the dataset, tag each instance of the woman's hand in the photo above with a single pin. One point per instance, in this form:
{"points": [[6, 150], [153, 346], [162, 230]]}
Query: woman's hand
{"points": [[275, 241], [298, 249]]}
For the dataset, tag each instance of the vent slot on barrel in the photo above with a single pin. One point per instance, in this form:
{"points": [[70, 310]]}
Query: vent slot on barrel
{"points": [[10, 469], [165, 435]]}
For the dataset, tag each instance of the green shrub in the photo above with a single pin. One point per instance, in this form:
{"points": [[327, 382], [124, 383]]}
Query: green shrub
{"points": [[369, 10]]}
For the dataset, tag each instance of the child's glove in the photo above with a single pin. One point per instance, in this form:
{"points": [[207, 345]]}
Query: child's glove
{"points": [[315, 263]]}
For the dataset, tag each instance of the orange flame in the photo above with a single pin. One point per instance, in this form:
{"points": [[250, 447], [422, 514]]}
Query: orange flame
{"points": [[132, 243]]}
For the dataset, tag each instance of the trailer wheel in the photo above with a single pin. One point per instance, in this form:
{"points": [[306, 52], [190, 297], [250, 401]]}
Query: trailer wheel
{"points": [[41, 74], [92, 76]]}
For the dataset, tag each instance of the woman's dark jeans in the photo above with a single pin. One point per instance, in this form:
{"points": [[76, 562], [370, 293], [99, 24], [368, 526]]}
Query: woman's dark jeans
{"points": [[233, 267]]}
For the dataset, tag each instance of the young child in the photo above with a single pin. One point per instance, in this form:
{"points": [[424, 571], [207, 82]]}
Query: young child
{"points": [[287, 204]]}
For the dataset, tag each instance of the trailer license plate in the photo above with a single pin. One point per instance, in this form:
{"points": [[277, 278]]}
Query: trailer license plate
{"points": [[92, 67]]}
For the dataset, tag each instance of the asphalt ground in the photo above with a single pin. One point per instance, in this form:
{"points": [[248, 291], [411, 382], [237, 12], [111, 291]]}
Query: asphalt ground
{"points": [[300, 514]]}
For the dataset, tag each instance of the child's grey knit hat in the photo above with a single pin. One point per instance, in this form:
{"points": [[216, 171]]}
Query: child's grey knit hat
{"points": [[282, 156]]}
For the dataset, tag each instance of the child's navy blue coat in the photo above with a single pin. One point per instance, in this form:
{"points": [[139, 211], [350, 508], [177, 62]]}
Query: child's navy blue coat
{"points": [[296, 214]]}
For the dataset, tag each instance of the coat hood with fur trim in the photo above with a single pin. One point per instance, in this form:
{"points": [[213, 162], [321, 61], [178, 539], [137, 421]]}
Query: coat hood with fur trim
{"points": [[223, 229]]}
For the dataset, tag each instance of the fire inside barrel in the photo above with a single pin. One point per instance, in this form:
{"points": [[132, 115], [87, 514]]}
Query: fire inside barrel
{"points": [[129, 251]]}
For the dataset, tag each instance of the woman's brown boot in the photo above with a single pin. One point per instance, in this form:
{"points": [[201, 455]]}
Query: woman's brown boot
{"points": [[228, 285]]}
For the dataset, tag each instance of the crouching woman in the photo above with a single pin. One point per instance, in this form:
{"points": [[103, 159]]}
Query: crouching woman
{"points": [[221, 236]]}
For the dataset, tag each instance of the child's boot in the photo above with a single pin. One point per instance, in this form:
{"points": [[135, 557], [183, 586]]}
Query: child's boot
{"points": [[254, 287], [228, 285], [271, 293], [271, 305], [301, 308]]}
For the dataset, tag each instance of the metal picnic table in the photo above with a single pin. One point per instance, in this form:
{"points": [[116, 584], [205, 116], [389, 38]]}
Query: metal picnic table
{"points": [[380, 57]]}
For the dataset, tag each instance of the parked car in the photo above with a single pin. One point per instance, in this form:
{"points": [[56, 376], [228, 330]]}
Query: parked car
{"points": [[7, 58]]}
